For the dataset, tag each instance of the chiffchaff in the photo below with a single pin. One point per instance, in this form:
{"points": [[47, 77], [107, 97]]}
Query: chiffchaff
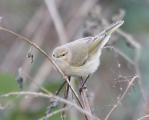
{"points": [[82, 57]]}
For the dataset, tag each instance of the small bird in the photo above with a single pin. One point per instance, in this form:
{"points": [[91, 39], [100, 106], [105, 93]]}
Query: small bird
{"points": [[81, 57]]}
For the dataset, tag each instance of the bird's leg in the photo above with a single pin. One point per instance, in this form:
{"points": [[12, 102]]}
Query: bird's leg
{"points": [[60, 88], [54, 103], [83, 83]]}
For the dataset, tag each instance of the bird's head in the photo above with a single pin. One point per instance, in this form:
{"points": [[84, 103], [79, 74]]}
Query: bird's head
{"points": [[61, 54]]}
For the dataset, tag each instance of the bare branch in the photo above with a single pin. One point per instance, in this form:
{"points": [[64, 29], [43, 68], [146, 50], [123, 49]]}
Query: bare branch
{"points": [[116, 50], [121, 98], [65, 96], [54, 113], [44, 69], [79, 16], [57, 20], [17, 47], [144, 117], [138, 48], [86, 103], [47, 56], [50, 95]]}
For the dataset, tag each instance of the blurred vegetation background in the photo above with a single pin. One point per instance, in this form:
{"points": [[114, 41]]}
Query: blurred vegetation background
{"points": [[79, 18]]}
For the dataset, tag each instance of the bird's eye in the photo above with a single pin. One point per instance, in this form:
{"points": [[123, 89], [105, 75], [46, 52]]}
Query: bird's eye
{"points": [[53, 55], [63, 54]]}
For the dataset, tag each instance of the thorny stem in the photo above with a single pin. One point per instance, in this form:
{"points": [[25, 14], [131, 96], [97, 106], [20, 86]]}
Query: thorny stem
{"points": [[47, 56]]}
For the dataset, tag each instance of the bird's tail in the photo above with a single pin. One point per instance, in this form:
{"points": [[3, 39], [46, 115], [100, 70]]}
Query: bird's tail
{"points": [[101, 39]]}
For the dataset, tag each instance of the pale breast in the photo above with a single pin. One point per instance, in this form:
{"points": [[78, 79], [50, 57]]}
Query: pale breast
{"points": [[89, 68]]}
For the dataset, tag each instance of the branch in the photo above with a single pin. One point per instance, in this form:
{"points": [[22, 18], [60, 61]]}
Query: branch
{"points": [[50, 95], [116, 50], [44, 69], [137, 46], [78, 16], [85, 102], [143, 117], [47, 56], [66, 93], [57, 20], [121, 98], [54, 113]]}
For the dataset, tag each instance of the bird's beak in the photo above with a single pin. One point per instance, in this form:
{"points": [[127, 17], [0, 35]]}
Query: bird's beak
{"points": [[113, 27]]}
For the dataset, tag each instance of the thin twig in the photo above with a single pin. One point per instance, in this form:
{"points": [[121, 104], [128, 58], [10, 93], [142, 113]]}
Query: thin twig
{"points": [[47, 56], [50, 95], [137, 46], [57, 20], [45, 68], [38, 38], [137, 60], [73, 112], [85, 100], [63, 38], [79, 16], [54, 113], [143, 117], [116, 50], [121, 98], [17, 47], [86, 103], [61, 87], [65, 96]]}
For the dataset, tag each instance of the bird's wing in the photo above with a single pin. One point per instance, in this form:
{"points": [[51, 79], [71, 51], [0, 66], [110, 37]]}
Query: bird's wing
{"points": [[82, 49], [79, 49], [93, 45]]}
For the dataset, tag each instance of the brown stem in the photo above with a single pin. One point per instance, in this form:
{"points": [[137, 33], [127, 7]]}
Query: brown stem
{"points": [[65, 96], [46, 55], [85, 100]]}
